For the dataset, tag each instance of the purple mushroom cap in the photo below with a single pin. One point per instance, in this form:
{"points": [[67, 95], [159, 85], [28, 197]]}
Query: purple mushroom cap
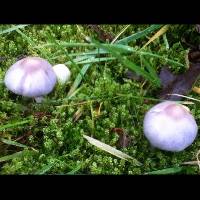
{"points": [[170, 126], [31, 77]]}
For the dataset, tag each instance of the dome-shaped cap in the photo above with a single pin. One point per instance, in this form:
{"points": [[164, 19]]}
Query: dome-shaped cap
{"points": [[170, 126], [31, 77]]}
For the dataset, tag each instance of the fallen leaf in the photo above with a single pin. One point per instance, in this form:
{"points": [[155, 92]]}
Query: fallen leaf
{"points": [[133, 76], [124, 139], [166, 76], [188, 44], [110, 149], [178, 84], [194, 55]]}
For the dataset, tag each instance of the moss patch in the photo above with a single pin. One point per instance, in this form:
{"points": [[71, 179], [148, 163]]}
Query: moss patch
{"points": [[57, 145]]}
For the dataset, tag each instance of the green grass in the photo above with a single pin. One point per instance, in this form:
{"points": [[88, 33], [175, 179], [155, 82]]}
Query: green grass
{"points": [[11, 125], [51, 142]]}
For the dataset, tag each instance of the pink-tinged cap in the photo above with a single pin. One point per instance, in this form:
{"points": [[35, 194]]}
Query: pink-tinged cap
{"points": [[30, 77], [170, 126]]}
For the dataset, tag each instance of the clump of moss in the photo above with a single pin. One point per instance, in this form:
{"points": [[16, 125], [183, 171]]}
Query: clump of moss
{"points": [[105, 101]]}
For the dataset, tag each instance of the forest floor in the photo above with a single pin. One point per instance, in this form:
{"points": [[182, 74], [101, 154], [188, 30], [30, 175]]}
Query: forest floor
{"points": [[100, 100]]}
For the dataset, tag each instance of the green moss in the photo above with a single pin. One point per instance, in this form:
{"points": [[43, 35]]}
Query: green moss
{"points": [[55, 135]]}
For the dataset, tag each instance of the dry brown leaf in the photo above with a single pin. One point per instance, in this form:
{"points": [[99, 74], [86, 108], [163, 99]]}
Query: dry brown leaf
{"points": [[124, 139], [179, 84]]}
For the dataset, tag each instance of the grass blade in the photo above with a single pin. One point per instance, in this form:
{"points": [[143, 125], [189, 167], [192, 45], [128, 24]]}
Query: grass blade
{"points": [[12, 156], [10, 142], [124, 49], [120, 33], [30, 41], [26, 37], [151, 70], [108, 149], [62, 49], [120, 47], [127, 49], [160, 57], [6, 126], [44, 169], [80, 56], [78, 79], [84, 44], [14, 28], [157, 35], [76, 169], [190, 98], [166, 171], [95, 60], [166, 41], [64, 44], [139, 34], [191, 163], [129, 64], [95, 52]]}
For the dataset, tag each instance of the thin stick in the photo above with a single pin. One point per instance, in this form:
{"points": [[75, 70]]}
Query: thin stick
{"points": [[179, 95]]}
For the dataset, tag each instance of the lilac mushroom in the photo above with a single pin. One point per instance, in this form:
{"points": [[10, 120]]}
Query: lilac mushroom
{"points": [[31, 77], [170, 126], [62, 72]]}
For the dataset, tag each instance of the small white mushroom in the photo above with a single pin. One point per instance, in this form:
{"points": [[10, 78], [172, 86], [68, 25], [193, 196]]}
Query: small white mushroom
{"points": [[62, 72], [31, 77], [170, 126]]}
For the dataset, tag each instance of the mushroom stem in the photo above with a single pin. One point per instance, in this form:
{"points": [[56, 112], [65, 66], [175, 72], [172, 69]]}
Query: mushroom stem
{"points": [[39, 99]]}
